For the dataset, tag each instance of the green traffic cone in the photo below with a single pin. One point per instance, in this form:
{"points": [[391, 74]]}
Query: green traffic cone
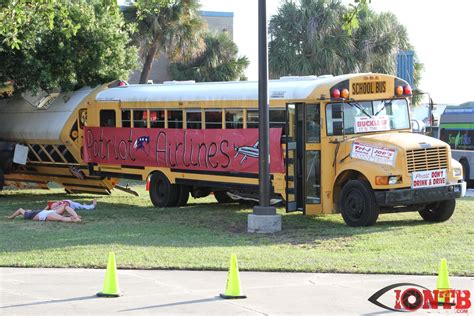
{"points": [[442, 284], [233, 289], [111, 286]]}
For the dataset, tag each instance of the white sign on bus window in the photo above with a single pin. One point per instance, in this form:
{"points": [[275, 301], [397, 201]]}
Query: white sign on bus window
{"points": [[430, 178], [365, 124], [385, 156]]}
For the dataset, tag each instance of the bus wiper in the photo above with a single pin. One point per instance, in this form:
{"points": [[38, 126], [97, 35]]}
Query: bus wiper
{"points": [[357, 105], [383, 107]]}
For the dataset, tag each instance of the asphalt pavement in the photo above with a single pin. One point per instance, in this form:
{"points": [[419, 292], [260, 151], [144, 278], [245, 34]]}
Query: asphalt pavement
{"points": [[25, 291]]}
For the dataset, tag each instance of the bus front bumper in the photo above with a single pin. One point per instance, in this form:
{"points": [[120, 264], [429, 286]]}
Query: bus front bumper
{"points": [[420, 196]]}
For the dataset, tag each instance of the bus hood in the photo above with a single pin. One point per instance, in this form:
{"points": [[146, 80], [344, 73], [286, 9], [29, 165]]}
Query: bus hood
{"points": [[407, 140]]}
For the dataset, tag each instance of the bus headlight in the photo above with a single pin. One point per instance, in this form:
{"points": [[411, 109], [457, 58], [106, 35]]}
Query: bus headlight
{"points": [[384, 180], [457, 172]]}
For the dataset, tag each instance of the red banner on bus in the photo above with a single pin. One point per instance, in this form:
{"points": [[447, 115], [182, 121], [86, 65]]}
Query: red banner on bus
{"points": [[228, 150]]}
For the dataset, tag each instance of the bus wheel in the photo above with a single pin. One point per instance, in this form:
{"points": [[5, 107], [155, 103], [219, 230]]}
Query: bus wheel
{"points": [[357, 204], [162, 192], [438, 212], [183, 195], [222, 197]]}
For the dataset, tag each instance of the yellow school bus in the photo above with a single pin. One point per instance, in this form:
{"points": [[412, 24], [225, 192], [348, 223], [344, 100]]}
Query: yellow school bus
{"points": [[338, 144]]}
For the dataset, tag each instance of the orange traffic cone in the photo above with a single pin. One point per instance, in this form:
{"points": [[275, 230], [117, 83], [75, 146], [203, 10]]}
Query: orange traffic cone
{"points": [[111, 286], [233, 289]]}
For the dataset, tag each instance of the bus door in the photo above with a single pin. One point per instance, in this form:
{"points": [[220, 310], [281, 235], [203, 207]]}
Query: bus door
{"points": [[312, 159], [303, 157], [293, 156]]}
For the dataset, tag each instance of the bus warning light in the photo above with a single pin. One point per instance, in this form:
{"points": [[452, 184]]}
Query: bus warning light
{"points": [[345, 93], [407, 89], [335, 93], [399, 90]]}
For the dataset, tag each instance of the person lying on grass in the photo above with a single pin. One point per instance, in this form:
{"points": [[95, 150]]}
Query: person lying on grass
{"points": [[49, 215], [52, 205]]}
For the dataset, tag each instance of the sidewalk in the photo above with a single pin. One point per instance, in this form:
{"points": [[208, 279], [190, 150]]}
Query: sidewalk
{"points": [[146, 292]]}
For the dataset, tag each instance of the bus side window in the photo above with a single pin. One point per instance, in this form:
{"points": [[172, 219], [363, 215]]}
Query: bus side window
{"points": [[107, 118], [193, 119], [278, 119], [126, 122], [139, 118], [252, 118], [175, 119], [157, 119], [234, 119], [213, 119]]}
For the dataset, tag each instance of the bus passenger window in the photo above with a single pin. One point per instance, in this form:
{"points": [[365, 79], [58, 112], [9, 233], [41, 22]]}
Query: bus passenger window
{"points": [[213, 119], [126, 122], [175, 119], [278, 119], [234, 119], [139, 118], [252, 119], [157, 119], [107, 118], [193, 119]]}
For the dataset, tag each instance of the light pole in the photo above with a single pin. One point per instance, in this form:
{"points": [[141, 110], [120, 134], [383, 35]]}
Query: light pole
{"points": [[264, 218]]}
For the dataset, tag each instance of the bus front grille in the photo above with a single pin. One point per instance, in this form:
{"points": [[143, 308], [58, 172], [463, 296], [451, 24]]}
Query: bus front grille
{"points": [[427, 159]]}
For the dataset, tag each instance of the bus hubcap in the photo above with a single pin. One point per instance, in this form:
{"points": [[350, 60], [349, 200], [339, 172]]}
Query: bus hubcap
{"points": [[355, 205]]}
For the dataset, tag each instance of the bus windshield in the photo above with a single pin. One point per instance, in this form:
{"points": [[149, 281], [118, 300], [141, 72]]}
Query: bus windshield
{"points": [[367, 116]]}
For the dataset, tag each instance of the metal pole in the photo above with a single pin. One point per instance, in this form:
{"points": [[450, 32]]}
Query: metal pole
{"points": [[263, 107]]}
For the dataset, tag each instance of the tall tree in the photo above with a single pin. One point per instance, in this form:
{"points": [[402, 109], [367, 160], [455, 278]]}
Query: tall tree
{"points": [[217, 62], [308, 38], [171, 26], [311, 37], [85, 44], [377, 41], [19, 26]]}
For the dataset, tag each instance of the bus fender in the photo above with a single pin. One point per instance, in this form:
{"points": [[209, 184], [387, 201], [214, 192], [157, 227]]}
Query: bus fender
{"points": [[342, 178]]}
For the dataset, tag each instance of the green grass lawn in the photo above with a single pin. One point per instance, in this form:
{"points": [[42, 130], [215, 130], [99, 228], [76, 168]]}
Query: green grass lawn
{"points": [[203, 234]]}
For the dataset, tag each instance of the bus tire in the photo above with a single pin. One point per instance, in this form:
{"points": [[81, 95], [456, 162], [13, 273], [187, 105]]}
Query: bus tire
{"points": [[357, 204], [183, 195], [222, 197], [162, 192], [466, 172], [438, 212]]}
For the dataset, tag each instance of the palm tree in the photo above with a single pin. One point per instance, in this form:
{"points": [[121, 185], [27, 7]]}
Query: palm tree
{"points": [[171, 26], [217, 62], [378, 40], [308, 38]]}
